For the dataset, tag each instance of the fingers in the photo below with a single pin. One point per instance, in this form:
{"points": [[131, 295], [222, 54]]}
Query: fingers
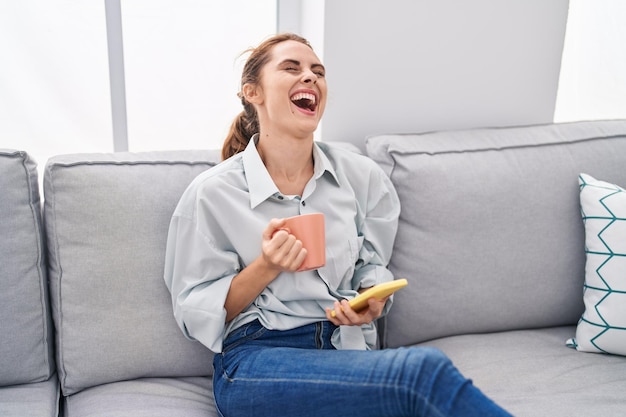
{"points": [[272, 227], [281, 250], [294, 253], [346, 316]]}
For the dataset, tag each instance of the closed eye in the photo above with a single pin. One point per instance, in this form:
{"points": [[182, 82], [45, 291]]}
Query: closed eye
{"points": [[290, 65], [319, 70]]}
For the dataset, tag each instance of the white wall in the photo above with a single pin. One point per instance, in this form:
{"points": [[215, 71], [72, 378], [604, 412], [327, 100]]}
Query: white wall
{"points": [[418, 65]]}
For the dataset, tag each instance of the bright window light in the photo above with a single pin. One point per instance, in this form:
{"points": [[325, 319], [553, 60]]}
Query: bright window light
{"points": [[54, 78], [182, 72], [592, 85], [183, 69]]}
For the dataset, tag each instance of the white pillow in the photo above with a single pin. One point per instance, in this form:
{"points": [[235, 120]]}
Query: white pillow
{"points": [[602, 327]]}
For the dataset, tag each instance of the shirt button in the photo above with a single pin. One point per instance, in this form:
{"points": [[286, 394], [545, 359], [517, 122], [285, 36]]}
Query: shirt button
{"points": [[280, 197], [303, 203]]}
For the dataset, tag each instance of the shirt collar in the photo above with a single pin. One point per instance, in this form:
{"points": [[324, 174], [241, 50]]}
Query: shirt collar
{"points": [[322, 163], [260, 183]]}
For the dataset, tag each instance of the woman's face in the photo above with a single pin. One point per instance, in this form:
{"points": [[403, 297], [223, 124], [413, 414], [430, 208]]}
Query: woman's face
{"points": [[292, 93]]}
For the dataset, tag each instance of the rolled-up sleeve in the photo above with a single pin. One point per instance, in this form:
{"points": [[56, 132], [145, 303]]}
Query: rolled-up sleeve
{"points": [[198, 275], [377, 226]]}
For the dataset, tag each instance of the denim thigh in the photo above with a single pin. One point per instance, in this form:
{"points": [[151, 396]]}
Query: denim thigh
{"points": [[292, 373]]}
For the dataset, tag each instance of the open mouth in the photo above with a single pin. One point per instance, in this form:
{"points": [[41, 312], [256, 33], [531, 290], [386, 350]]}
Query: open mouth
{"points": [[306, 101]]}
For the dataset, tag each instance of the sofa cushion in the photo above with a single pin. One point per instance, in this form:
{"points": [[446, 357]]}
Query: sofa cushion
{"points": [[602, 327], [25, 327], [147, 397], [490, 236], [532, 374], [107, 218], [38, 399]]}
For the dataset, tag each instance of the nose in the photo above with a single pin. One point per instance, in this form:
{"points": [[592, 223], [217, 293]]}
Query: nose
{"points": [[309, 77]]}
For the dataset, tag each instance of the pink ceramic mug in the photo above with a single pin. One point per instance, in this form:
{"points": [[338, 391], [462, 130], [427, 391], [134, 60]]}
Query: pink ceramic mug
{"points": [[309, 229]]}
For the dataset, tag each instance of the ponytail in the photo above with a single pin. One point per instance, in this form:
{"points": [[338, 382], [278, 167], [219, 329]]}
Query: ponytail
{"points": [[241, 130]]}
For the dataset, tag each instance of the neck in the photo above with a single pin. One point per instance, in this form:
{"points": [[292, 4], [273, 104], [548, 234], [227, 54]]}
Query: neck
{"points": [[289, 162]]}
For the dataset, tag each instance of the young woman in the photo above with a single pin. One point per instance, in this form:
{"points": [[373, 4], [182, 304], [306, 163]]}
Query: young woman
{"points": [[232, 267]]}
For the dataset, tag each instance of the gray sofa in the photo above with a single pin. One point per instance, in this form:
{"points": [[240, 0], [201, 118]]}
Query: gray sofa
{"points": [[491, 240], [28, 384]]}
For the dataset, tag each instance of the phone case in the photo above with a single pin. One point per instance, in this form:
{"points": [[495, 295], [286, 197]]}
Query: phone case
{"points": [[377, 291]]}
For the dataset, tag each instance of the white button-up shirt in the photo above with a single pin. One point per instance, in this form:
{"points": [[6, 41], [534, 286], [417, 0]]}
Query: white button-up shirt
{"points": [[216, 230]]}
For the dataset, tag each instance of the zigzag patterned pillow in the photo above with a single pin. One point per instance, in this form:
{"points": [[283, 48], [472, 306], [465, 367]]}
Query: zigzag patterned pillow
{"points": [[602, 327]]}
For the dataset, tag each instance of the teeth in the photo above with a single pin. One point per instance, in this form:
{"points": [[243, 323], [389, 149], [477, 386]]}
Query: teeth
{"points": [[303, 96]]}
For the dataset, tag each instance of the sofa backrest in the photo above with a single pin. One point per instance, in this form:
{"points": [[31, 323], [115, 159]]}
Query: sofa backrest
{"points": [[107, 218], [490, 234], [26, 342]]}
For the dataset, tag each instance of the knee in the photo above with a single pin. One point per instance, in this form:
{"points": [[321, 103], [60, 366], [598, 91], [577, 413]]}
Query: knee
{"points": [[428, 359]]}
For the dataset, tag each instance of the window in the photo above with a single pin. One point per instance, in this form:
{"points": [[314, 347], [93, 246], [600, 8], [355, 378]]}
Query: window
{"points": [[181, 72], [182, 68], [54, 77], [592, 85]]}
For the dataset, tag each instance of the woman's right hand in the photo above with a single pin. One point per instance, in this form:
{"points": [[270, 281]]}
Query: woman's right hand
{"points": [[281, 250]]}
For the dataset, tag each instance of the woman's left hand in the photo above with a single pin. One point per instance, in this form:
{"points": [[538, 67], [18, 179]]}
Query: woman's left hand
{"points": [[346, 316]]}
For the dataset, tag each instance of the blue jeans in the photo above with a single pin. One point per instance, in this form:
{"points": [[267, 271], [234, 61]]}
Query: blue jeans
{"points": [[298, 373]]}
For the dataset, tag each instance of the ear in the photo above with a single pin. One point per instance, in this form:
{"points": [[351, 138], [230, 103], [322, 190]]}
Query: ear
{"points": [[252, 93]]}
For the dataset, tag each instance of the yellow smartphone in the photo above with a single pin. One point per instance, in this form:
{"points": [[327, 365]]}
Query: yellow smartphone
{"points": [[377, 291]]}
